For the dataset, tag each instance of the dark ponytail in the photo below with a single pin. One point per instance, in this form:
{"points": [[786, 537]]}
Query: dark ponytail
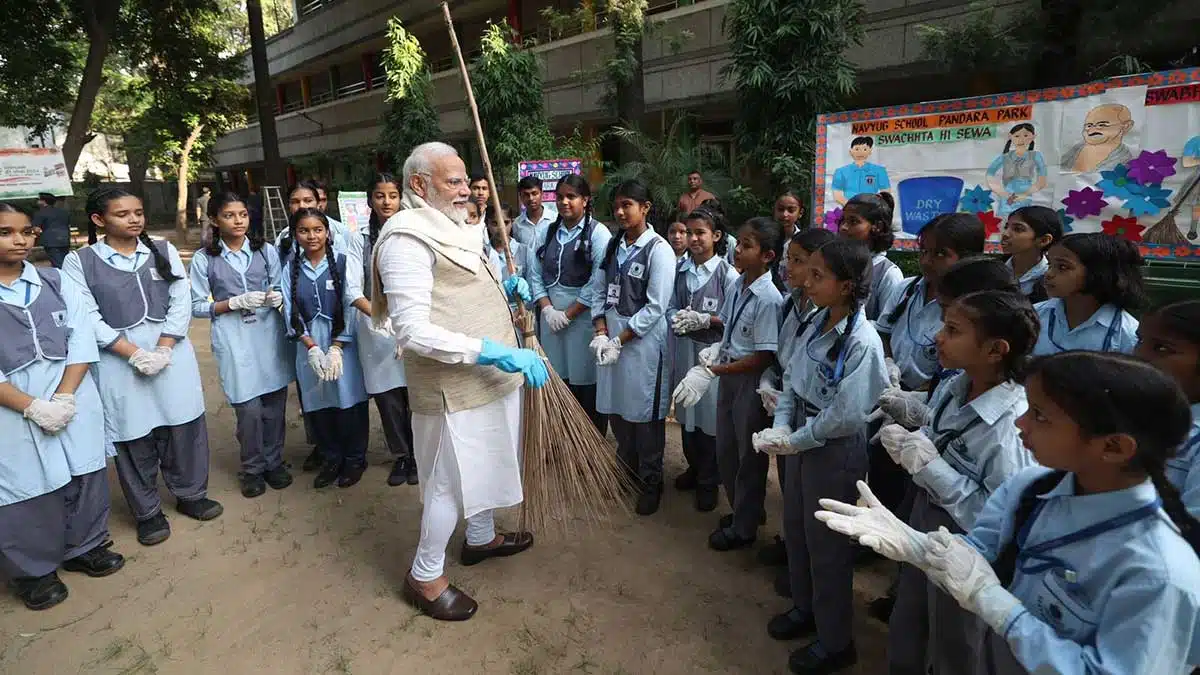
{"points": [[848, 260], [338, 274], [97, 205], [1008, 316]]}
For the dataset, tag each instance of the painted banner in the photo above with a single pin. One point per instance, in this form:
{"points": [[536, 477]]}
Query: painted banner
{"points": [[1120, 156], [27, 172], [549, 171], [354, 210]]}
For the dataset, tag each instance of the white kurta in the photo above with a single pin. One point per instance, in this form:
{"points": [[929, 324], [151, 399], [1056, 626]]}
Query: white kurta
{"points": [[483, 442]]}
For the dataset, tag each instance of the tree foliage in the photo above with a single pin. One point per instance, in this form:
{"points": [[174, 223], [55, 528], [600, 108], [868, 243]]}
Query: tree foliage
{"points": [[410, 118], [787, 65], [40, 61]]}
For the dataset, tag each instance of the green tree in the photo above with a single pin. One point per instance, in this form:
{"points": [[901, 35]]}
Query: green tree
{"points": [[626, 93], [410, 118], [787, 65], [40, 62]]}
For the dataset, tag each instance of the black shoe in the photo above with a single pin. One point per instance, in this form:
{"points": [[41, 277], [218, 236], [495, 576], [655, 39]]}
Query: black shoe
{"points": [[412, 478], [98, 562], [880, 609], [725, 539], [511, 543], [278, 478], [153, 530], [791, 624], [350, 474], [686, 480], [328, 474], [727, 520], [706, 498], [399, 474], [253, 485], [774, 554], [813, 659], [40, 592], [314, 461], [783, 584], [649, 500], [200, 509]]}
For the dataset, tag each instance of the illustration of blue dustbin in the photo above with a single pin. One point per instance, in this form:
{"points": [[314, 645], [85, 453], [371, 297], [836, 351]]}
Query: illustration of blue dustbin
{"points": [[924, 197]]}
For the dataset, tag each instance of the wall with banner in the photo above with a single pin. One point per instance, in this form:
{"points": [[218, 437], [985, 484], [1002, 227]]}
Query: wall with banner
{"points": [[1120, 156], [27, 172]]}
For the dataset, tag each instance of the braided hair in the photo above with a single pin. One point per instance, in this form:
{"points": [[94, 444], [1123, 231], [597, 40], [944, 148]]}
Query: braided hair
{"points": [[375, 224], [848, 260], [338, 276], [287, 243], [583, 254], [1004, 315], [97, 206], [215, 205]]}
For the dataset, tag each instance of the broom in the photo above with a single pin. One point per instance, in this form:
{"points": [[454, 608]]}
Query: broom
{"points": [[1165, 232], [569, 472]]}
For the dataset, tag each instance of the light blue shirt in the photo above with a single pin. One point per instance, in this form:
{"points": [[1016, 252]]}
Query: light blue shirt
{"points": [[1126, 600], [913, 333], [1183, 470], [885, 278], [1109, 329], [239, 260], [853, 179], [841, 405], [1031, 276], [522, 260], [979, 443], [658, 291], [81, 346], [592, 293], [751, 318], [698, 275], [1039, 165], [526, 231]]}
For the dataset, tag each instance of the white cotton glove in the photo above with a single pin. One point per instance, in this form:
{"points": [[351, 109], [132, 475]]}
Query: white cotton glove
{"points": [[693, 386], [884, 419], [768, 393], [963, 572], [319, 363], [333, 363], [251, 300], [52, 416], [910, 449], [597, 344], [708, 355], [149, 363], [688, 321], [875, 527], [893, 371], [774, 441], [906, 408], [609, 352], [273, 299], [555, 319]]}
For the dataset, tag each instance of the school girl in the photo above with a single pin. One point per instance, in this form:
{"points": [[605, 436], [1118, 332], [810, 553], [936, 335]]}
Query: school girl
{"points": [[1088, 563], [139, 303], [326, 362], [635, 280], [830, 384], [1093, 280], [677, 237], [236, 282], [699, 292], [568, 254], [966, 449], [868, 218], [380, 360], [1028, 232], [750, 336], [54, 500], [523, 260], [1169, 338]]}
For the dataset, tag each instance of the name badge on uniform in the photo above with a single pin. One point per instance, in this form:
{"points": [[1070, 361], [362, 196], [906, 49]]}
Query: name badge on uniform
{"points": [[745, 330], [59, 318], [637, 270], [154, 275], [708, 305], [329, 284], [614, 294], [249, 316]]}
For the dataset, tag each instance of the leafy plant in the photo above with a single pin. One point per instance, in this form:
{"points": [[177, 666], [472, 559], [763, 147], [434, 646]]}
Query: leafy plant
{"points": [[410, 118], [981, 43], [565, 24]]}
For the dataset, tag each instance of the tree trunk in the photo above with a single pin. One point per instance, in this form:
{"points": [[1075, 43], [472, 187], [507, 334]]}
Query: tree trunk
{"points": [[181, 198], [631, 106], [100, 19], [272, 164], [139, 163], [1058, 63]]}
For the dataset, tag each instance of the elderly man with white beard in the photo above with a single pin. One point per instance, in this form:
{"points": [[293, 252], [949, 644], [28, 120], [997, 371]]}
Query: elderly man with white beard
{"points": [[450, 315]]}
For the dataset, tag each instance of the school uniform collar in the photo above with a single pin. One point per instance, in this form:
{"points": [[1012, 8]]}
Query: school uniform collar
{"points": [[1087, 510], [544, 219], [319, 266], [107, 252], [760, 285], [641, 241], [1104, 316], [1036, 272], [244, 250], [571, 228], [992, 404], [878, 255], [709, 265], [28, 274]]}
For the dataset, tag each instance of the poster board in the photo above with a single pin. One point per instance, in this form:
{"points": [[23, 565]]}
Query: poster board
{"points": [[354, 210], [549, 171], [1120, 156], [27, 172]]}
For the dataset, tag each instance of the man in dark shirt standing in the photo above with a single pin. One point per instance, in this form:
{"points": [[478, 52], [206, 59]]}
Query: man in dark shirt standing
{"points": [[55, 225]]}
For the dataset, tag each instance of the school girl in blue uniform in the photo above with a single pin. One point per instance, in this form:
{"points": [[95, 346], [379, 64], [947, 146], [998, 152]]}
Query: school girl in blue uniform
{"points": [[699, 292], [1169, 338], [380, 361], [327, 365], [966, 449], [868, 218], [1093, 280], [1028, 233], [568, 255], [523, 258], [635, 280], [54, 500], [830, 384], [1088, 563], [236, 283], [139, 301]]}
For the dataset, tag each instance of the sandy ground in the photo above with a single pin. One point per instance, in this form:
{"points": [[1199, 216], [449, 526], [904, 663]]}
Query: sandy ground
{"points": [[306, 581]]}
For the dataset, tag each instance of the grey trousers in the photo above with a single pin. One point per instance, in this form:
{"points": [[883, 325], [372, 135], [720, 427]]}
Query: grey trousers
{"points": [[700, 450], [180, 451], [396, 417], [640, 445], [740, 414], [929, 633], [309, 437], [821, 561], [38, 534], [261, 425]]}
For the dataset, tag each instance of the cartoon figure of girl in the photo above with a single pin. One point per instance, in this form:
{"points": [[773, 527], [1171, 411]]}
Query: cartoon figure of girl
{"points": [[1018, 173]]}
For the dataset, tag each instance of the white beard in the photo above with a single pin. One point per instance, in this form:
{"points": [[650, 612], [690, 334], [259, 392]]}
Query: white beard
{"points": [[458, 214]]}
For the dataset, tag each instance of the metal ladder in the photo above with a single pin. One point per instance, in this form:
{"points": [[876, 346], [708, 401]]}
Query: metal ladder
{"points": [[276, 215]]}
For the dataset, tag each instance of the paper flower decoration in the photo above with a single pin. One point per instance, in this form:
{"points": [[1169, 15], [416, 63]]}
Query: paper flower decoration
{"points": [[1117, 183], [1066, 220], [1125, 228], [1152, 167], [832, 218], [991, 222], [977, 200], [1084, 203]]}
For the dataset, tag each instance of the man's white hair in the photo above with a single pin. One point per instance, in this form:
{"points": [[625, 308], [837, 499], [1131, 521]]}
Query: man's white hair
{"points": [[421, 160]]}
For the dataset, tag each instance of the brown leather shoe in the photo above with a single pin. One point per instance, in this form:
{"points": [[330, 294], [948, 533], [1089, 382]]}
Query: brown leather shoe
{"points": [[514, 543], [451, 605]]}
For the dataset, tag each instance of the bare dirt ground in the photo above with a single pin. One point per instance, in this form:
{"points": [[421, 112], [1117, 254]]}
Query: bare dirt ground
{"points": [[306, 581]]}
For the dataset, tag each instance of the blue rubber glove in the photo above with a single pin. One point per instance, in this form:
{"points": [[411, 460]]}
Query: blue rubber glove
{"points": [[511, 360], [516, 287]]}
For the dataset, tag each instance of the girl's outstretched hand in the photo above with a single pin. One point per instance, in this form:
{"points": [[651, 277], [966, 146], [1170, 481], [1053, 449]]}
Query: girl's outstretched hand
{"points": [[875, 527]]}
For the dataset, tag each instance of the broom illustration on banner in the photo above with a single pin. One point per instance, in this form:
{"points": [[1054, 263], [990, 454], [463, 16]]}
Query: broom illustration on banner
{"points": [[1165, 232]]}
